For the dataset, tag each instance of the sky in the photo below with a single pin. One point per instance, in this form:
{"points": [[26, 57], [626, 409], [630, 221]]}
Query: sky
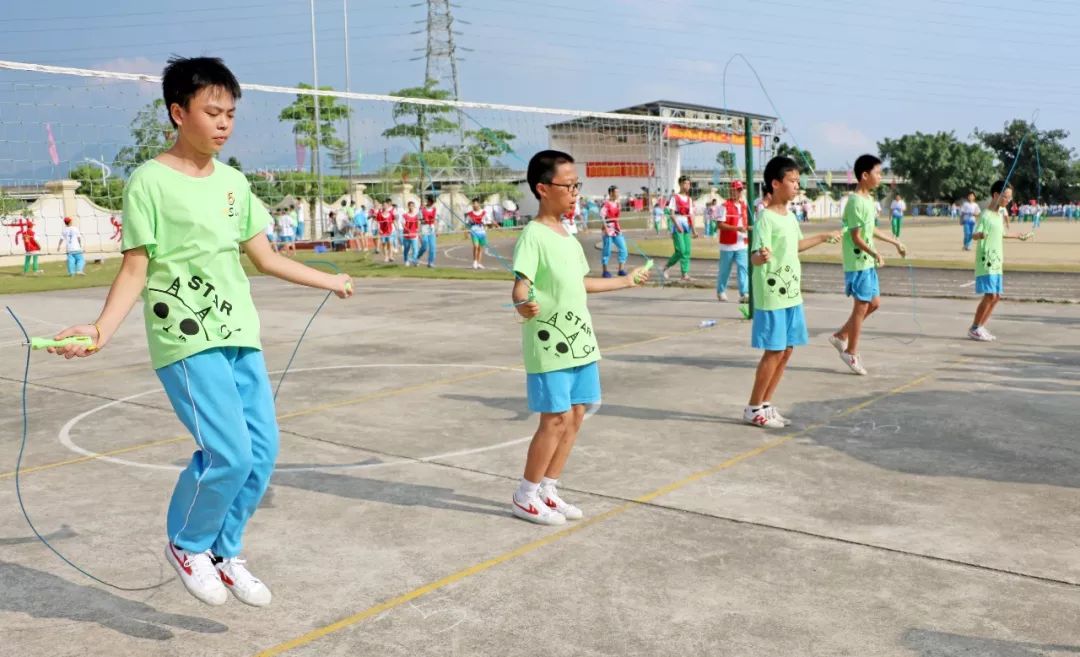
{"points": [[843, 74]]}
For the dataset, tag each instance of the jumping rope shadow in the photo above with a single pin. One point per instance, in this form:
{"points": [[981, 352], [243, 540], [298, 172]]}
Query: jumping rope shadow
{"points": [[43, 595], [705, 363], [966, 433], [519, 408], [929, 643], [388, 492], [64, 532]]}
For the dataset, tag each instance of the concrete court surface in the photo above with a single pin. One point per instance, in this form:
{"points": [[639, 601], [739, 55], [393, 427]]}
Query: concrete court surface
{"points": [[928, 509]]}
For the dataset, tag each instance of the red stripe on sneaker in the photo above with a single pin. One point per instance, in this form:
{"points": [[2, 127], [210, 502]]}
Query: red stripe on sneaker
{"points": [[225, 578], [550, 502], [184, 566], [531, 510]]}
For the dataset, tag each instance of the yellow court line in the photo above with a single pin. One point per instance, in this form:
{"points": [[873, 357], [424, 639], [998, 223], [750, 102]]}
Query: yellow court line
{"points": [[348, 621], [315, 409]]}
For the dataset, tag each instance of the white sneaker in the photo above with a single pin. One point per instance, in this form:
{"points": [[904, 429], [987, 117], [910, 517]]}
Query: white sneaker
{"points": [[762, 418], [839, 343], [550, 497], [988, 334], [978, 335], [246, 587], [775, 413], [722, 296], [480, 265], [198, 575], [536, 511], [852, 361], [475, 265]]}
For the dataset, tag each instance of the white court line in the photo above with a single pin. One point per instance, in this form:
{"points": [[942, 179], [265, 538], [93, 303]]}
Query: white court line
{"points": [[968, 284], [66, 440]]}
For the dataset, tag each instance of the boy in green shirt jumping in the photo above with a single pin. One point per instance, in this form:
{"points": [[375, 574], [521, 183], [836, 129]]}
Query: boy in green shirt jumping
{"points": [[990, 237], [558, 342], [779, 324], [861, 260], [186, 217]]}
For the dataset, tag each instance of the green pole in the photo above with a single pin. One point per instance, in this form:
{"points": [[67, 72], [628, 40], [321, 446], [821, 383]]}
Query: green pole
{"points": [[749, 136]]}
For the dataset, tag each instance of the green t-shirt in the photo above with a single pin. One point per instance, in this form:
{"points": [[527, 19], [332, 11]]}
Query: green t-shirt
{"points": [[197, 296], [562, 335], [990, 250], [860, 212], [776, 284]]}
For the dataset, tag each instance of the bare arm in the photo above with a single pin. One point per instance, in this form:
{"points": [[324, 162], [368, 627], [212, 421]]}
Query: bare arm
{"points": [[267, 261], [816, 240], [900, 248], [125, 291], [636, 277]]}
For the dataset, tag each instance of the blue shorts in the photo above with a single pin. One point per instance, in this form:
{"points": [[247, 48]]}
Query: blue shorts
{"points": [[556, 392], [989, 284], [863, 285], [286, 238], [776, 330]]}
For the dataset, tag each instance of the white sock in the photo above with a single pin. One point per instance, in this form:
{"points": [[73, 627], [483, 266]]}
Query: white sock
{"points": [[766, 404], [526, 489], [755, 409], [548, 483]]}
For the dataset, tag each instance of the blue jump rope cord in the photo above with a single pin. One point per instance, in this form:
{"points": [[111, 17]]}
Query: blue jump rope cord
{"points": [[18, 481], [26, 432]]}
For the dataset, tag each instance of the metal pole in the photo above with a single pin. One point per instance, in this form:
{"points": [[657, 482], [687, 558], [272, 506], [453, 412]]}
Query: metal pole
{"points": [[348, 102], [318, 126], [748, 130]]}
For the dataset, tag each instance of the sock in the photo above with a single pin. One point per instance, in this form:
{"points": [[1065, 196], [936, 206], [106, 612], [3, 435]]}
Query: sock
{"points": [[755, 409], [526, 489], [974, 327], [766, 404], [548, 482]]}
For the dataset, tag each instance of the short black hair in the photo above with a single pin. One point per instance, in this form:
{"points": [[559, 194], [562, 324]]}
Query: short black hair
{"points": [[612, 188], [683, 179], [776, 169], [429, 198], [184, 77], [865, 164], [542, 168], [999, 187], [476, 199]]}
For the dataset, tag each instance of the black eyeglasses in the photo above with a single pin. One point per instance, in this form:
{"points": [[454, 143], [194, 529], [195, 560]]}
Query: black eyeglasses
{"points": [[570, 187]]}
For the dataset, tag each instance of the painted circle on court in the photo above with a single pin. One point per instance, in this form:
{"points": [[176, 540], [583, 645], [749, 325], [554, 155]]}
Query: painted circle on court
{"points": [[67, 441]]}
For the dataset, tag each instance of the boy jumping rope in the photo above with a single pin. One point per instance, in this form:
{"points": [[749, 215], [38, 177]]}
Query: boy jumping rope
{"points": [[779, 323], [989, 236], [861, 260], [186, 217], [558, 342]]}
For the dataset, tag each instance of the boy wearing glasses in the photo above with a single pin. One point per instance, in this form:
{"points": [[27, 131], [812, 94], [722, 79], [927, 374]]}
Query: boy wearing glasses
{"points": [[558, 343]]}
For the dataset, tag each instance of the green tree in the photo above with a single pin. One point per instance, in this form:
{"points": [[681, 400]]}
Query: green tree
{"points": [[108, 193], [938, 167], [302, 115], [341, 159], [234, 163], [153, 134], [1058, 180], [802, 157], [427, 120], [726, 160], [10, 205]]}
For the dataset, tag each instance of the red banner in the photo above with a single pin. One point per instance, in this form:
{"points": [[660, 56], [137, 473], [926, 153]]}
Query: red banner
{"points": [[702, 134], [618, 170]]}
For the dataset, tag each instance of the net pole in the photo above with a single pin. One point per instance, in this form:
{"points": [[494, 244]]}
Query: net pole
{"points": [[318, 127], [748, 130]]}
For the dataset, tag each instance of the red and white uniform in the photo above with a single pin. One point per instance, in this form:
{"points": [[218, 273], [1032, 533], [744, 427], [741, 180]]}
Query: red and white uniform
{"points": [[476, 217], [427, 219], [30, 243], [682, 207], [411, 228], [610, 211], [386, 222], [734, 215]]}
